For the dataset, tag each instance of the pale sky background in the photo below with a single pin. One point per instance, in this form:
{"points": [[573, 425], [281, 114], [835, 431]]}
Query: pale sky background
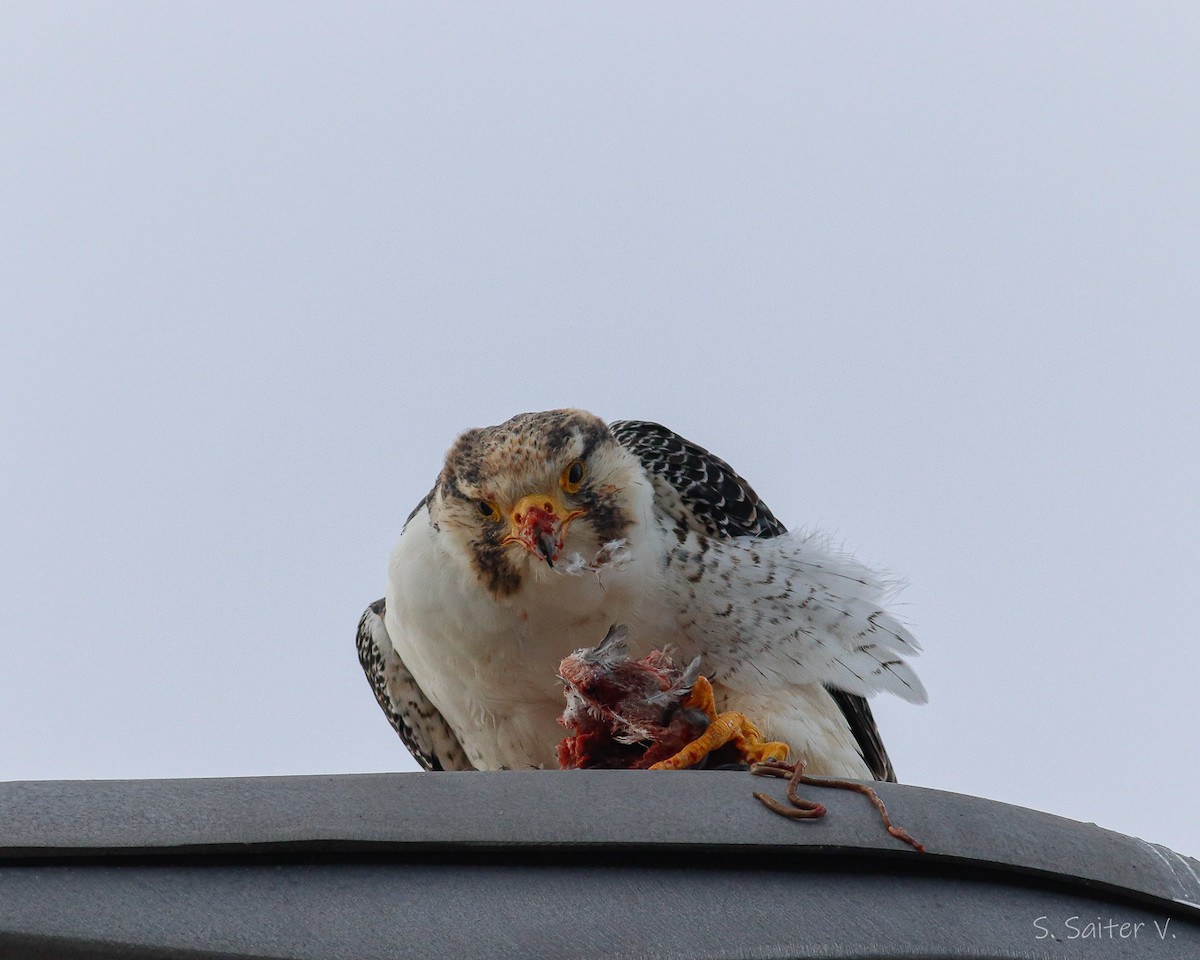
{"points": [[928, 275]]}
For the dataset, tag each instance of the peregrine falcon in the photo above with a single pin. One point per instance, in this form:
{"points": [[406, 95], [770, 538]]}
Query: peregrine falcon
{"points": [[542, 532]]}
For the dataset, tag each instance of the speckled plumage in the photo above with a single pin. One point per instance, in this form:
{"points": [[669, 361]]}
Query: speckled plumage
{"points": [[668, 540], [412, 716]]}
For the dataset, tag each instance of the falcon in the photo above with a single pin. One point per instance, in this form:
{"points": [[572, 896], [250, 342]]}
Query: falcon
{"points": [[544, 531]]}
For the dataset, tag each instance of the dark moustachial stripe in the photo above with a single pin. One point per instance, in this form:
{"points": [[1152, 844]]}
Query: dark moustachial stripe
{"points": [[492, 564], [605, 514], [494, 569]]}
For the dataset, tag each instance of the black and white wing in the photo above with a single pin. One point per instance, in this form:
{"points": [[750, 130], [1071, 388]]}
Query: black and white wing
{"points": [[715, 501], [707, 495], [422, 728]]}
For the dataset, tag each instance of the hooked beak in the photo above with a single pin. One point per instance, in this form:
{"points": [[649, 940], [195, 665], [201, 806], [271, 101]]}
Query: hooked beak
{"points": [[539, 523], [547, 546]]}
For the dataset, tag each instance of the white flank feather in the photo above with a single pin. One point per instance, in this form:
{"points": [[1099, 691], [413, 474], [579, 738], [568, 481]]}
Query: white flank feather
{"points": [[789, 610]]}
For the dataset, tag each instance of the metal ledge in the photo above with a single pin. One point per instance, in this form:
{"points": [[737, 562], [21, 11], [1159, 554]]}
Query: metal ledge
{"points": [[595, 863]]}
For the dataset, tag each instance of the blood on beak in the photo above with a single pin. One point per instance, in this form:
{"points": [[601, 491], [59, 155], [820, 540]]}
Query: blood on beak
{"points": [[539, 523]]}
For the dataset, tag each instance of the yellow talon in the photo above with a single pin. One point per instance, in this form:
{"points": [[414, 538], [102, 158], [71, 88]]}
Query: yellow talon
{"points": [[723, 728]]}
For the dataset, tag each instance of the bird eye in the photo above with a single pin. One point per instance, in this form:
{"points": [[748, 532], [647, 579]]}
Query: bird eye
{"points": [[572, 477], [488, 509]]}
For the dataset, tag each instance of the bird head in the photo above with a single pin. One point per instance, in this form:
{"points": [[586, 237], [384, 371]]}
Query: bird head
{"points": [[530, 491]]}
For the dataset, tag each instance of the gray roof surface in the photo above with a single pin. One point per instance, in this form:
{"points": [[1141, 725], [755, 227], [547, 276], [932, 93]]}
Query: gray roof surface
{"points": [[575, 863]]}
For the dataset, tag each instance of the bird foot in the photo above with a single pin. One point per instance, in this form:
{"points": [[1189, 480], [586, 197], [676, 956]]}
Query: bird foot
{"points": [[724, 729]]}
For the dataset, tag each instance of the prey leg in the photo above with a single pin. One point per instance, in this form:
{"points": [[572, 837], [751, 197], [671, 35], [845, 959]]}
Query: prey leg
{"points": [[808, 809]]}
